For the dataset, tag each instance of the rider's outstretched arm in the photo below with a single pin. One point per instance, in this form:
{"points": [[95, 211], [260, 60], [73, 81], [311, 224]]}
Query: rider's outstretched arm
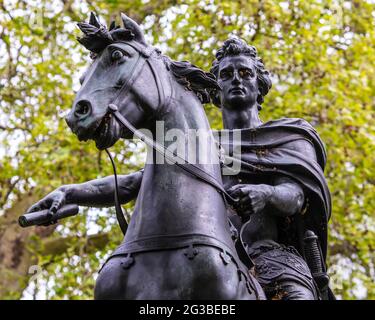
{"points": [[100, 192], [94, 193]]}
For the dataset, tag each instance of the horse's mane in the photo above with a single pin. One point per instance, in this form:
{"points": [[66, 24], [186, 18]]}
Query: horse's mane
{"points": [[193, 78], [97, 37]]}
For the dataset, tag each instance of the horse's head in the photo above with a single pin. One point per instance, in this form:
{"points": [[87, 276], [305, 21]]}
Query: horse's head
{"points": [[119, 55], [130, 74]]}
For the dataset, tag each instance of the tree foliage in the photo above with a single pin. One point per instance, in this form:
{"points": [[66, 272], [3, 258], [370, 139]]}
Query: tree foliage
{"points": [[320, 54]]}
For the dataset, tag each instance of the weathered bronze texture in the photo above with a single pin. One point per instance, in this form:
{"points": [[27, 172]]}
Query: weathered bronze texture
{"points": [[183, 241]]}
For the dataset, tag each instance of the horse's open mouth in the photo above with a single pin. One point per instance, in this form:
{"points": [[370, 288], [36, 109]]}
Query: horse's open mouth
{"points": [[102, 135]]}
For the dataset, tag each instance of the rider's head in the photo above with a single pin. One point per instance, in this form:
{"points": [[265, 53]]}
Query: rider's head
{"points": [[241, 75]]}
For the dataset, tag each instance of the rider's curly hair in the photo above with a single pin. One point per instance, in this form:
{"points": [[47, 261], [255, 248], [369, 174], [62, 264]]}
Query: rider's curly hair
{"points": [[236, 47]]}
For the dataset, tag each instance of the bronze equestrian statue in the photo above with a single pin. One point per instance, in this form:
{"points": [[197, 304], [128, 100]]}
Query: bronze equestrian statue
{"points": [[175, 247], [169, 230]]}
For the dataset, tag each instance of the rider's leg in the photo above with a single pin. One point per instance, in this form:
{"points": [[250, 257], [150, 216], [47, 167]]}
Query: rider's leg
{"points": [[290, 290]]}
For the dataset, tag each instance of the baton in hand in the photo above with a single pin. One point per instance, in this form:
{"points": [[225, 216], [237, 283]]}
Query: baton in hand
{"points": [[43, 217]]}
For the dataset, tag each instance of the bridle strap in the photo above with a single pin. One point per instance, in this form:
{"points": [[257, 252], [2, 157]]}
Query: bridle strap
{"points": [[159, 86], [144, 54], [136, 71]]}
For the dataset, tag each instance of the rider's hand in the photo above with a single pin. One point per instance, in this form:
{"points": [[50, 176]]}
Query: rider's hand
{"points": [[53, 202], [252, 197]]}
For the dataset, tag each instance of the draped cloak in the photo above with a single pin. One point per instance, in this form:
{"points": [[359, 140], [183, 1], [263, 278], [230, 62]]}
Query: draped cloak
{"points": [[263, 153]]}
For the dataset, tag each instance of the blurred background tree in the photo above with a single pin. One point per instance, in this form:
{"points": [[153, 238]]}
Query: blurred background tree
{"points": [[320, 54]]}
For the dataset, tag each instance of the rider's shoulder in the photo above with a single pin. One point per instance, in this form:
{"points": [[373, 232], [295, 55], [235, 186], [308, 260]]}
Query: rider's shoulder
{"points": [[304, 146], [297, 122]]}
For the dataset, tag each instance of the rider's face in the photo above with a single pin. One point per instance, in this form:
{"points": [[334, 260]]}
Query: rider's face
{"points": [[238, 79]]}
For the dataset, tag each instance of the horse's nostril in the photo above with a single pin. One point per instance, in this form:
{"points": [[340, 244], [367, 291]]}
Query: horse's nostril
{"points": [[82, 108]]}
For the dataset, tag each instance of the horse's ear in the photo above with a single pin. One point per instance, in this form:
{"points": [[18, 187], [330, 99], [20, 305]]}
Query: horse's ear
{"points": [[94, 20], [112, 26], [134, 27]]}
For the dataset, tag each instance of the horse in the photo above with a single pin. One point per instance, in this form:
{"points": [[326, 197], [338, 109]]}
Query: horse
{"points": [[178, 244]]}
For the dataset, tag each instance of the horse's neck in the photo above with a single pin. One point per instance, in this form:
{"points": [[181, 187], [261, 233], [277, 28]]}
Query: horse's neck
{"points": [[172, 201], [187, 131]]}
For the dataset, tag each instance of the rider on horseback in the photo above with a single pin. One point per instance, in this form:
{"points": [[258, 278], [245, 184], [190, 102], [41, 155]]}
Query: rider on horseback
{"points": [[270, 199], [273, 194]]}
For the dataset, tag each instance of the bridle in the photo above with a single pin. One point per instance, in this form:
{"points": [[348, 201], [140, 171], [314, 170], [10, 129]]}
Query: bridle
{"points": [[145, 54]]}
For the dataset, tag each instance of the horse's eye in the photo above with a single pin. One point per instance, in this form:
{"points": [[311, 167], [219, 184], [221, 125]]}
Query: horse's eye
{"points": [[117, 55]]}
